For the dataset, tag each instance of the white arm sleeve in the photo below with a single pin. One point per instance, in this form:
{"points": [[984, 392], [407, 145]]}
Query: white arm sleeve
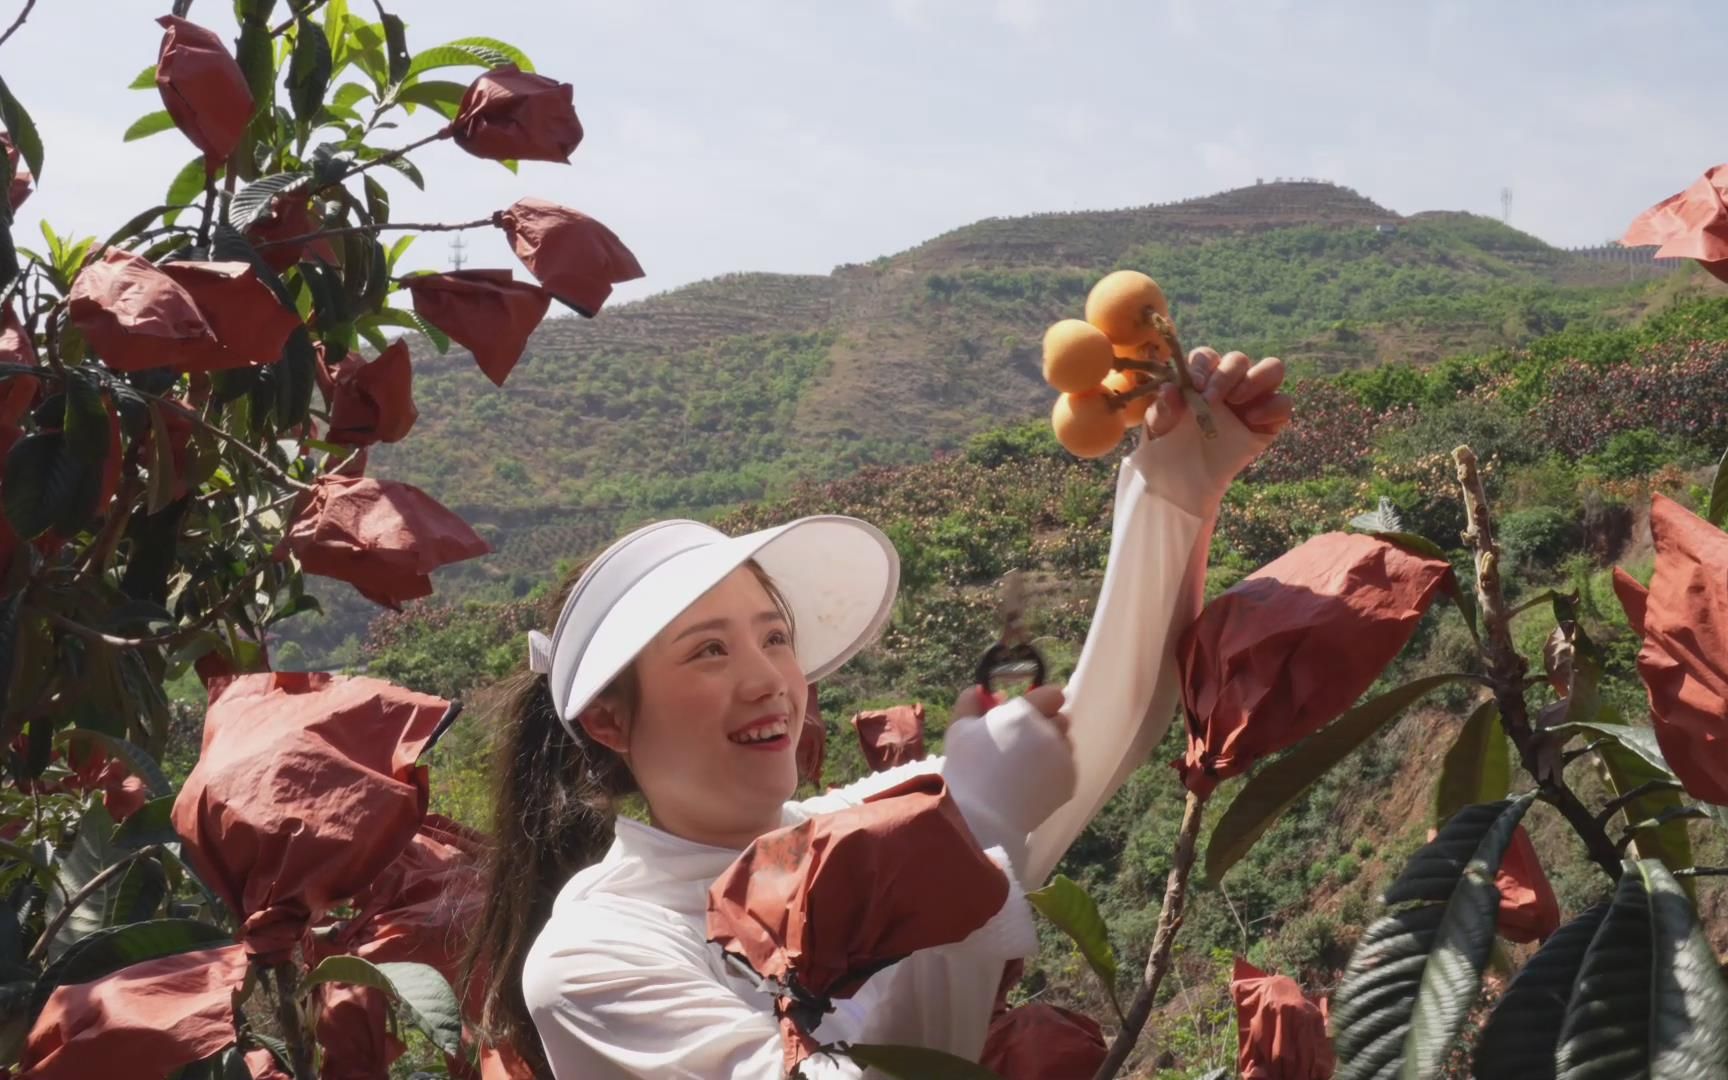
{"points": [[1124, 690]]}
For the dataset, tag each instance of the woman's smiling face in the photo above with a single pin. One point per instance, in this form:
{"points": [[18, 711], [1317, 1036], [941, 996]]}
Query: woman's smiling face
{"points": [[713, 739]]}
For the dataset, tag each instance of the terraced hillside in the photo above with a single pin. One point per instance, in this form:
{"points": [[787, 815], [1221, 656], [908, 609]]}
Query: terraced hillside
{"points": [[732, 389]]}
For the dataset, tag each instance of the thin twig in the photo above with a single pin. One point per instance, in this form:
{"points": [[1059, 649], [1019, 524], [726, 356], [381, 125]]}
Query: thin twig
{"points": [[374, 228], [19, 21], [1506, 669], [169, 637], [109, 873], [1158, 961], [197, 419], [288, 23], [288, 1016], [209, 209], [1702, 871], [386, 158], [1647, 787]]}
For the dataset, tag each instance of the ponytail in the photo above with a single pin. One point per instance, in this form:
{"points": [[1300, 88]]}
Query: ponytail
{"points": [[552, 815], [553, 806]]}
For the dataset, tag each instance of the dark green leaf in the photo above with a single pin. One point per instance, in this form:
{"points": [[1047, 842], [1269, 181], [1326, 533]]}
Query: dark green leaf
{"points": [[12, 943], [107, 951], [377, 200], [328, 294], [90, 853], [440, 340], [155, 539], [441, 95], [1649, 1000], [1075, 913], [147, 125], [1411, 982], [420, 987], [396, 46], [1477, 768], [1382, 519], [1272, 790], [309, 69], [254, 201], [1629, 769], [160, 491], [295, 376], [146, 79], [185, 188], [409, 169], [468, 52], [430, 1001], [142, 888], [149, 824], [1717, 512], [22, 129], [1521, 1038], [42, 480], [916, 1063]]}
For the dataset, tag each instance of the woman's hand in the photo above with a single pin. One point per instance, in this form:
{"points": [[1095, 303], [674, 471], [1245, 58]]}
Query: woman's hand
{"points": [[1017, 759], [1248, 408]]}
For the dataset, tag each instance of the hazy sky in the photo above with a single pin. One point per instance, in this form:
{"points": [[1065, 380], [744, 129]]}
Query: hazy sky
{"points": [[793, 135]]}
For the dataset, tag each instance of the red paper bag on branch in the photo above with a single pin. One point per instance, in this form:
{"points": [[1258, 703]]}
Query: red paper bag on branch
{"points": [[149, 1019], [576, 258], [891, 736], [18, 188], [1039, 1041], [1684, 659], [250, 323], [487, 312], [17, 392], [1289, 648], [1280, 1034], [817, 908], [383, 537], [353, 1030], [192, 316], [1692, 224], [509, 113], [306, 788], [290, 215], [1529, 910], [203, 89], [373, 401]]}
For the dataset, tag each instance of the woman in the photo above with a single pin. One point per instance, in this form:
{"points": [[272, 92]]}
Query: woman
{"points": [[678, 670]]}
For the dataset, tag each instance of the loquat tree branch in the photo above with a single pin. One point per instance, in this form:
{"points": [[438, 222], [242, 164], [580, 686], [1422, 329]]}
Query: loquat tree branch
{"points": [[377, 228], [1506, 671], [1158, 960], [19, 21]]}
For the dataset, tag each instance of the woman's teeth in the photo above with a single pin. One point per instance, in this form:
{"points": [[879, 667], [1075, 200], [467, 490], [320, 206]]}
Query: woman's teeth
{"points": [[761, 734]]}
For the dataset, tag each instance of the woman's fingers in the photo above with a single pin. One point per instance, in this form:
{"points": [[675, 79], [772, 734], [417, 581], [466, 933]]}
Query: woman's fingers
{"points": [[1229, 373], [1201, 363], [1047, 699], [1259, 381], [1269, 415]]}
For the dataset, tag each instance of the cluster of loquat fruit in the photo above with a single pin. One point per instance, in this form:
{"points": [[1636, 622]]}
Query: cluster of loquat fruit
{"points": [[1110, 365]]}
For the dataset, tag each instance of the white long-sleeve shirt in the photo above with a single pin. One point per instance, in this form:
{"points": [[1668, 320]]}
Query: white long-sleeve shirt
{"points": [[622, 982]]}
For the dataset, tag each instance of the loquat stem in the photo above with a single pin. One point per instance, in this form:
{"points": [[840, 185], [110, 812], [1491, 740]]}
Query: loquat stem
{"points": [[1202, 411], [393, 227], [19, 21], [1169, 922], [1506, 670]]}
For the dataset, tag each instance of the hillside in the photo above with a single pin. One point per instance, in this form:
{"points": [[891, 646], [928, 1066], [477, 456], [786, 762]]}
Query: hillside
{"points": [[731, 389], [1576, 431]]}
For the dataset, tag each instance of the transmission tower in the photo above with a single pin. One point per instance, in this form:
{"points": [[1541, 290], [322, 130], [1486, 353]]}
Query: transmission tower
{"points": [[458, 247], [1506, 205]]}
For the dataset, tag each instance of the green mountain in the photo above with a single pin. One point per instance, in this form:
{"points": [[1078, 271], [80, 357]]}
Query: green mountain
{"points": [[733, 389]]}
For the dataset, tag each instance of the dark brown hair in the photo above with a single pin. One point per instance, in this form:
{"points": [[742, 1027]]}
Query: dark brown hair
{"points": [[554, 802]]}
